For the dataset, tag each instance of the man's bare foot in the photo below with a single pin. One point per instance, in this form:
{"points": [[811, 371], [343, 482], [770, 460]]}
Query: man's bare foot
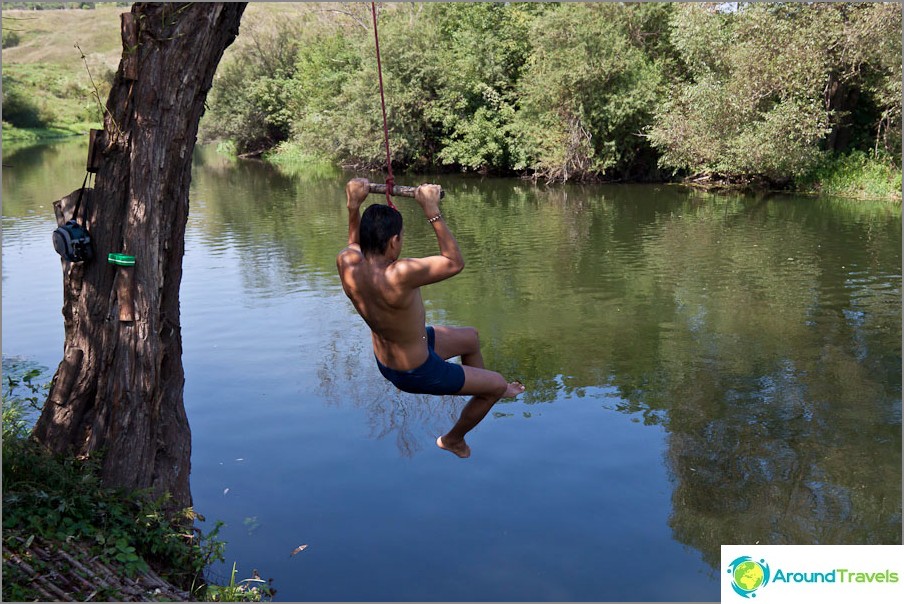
{"points": [[461, 449], [514, 389]]}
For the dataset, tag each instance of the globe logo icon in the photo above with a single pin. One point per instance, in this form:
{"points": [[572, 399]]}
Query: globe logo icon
{"points": [[748, 575]]}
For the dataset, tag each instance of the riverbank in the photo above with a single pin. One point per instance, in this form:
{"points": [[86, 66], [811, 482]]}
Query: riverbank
{"points": [[853, 176], [856, 175], [68, 538]]}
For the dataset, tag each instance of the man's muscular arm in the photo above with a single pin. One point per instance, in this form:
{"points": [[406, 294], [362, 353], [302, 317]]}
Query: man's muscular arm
{"points": [[450, 262], [356, 192]]}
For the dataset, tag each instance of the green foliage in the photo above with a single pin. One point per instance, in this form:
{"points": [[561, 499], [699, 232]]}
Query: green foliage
{"points": [[476, 92], [10, 38], [18, 408], [766, 89], [589, 88], [39, 96], [19, 108], [337, 102], [750, 107], [251, 102], [61, 499], [761, 92], [857, 174], [873, 58], [247, 590]]}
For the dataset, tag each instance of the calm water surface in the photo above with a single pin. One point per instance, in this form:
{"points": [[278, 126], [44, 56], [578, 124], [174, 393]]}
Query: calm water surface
{"points": [[700, 370]]}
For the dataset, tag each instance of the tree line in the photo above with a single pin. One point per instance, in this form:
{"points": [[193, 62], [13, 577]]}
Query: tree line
{"points": [[741, 92]]}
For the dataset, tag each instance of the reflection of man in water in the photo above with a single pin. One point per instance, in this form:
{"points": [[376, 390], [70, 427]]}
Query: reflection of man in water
{"points": [[386, 292]]}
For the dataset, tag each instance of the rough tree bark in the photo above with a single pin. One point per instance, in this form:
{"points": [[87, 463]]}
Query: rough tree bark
{"points": [[119, 389]]}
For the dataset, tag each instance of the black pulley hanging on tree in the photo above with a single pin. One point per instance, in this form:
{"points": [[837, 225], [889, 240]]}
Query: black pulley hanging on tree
{"points": [[72, 241]]}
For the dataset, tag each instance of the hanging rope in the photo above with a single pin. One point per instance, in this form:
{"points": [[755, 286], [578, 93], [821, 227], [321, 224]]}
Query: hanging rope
{"points": [[390, 182]]}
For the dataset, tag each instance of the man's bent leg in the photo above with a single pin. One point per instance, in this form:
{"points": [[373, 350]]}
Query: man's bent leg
{"points": [[458, 341], [487, 388]]}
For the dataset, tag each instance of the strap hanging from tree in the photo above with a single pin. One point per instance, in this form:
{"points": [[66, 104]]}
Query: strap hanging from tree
{"points": [[390, 181]]}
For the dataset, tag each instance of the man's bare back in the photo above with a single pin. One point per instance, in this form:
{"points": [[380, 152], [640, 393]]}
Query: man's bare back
{"points": [[385, 290]]}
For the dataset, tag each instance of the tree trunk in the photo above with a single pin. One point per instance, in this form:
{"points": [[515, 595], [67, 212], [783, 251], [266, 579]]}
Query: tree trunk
{"points": [[118, 391], [840, 98]]}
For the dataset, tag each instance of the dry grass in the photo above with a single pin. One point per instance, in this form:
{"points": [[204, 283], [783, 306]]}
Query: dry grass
{"points": [[263, 19], [48, 70], [50, 36]]}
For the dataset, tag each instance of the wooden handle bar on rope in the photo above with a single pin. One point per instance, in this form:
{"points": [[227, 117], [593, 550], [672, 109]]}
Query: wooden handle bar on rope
{"points": [[398, 190]]}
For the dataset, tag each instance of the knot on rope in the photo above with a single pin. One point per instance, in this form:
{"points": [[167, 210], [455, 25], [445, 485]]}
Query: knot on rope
{"points": [[390, 183]]}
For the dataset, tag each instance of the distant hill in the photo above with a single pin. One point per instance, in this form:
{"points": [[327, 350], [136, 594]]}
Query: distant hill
{"points": [[47, 90], [50, 36]]}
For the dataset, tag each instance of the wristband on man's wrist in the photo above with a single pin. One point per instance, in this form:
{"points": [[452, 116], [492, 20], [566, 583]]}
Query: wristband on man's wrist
{"points": [[435, 218]]}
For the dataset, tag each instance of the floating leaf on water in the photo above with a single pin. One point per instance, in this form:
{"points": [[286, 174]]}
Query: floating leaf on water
{"points": [[298, 550]]}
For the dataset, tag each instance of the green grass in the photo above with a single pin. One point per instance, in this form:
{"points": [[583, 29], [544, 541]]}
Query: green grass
{"points": [[291, 160], [11, 134], [48, 90], [857, 174], [50, 37], [44, 100]]}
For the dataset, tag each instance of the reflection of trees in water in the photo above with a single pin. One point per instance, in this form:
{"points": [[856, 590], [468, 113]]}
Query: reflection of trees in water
{"points": [[36, 175], [732, 321], [348, 374], [783, 409], [773, 466]]}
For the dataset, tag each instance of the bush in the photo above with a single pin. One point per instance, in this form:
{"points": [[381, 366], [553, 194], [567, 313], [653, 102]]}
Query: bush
{"points": [[764, 87], [18, 108], [10, 38], [589, 89], [857, 174], [252, 98], [61, 499]]}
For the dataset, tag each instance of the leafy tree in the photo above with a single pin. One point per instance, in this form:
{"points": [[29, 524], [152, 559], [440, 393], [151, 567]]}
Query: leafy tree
{"points": [[589, 88], [252, 100], [576, 91], [488, 44], [872, 54], [767, 88]]}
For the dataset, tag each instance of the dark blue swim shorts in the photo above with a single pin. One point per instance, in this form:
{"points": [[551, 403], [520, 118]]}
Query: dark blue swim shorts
{"points": [[435, 376]]}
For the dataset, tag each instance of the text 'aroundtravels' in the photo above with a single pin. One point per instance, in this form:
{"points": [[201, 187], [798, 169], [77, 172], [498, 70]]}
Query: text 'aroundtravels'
{"points": [[838, 575]]}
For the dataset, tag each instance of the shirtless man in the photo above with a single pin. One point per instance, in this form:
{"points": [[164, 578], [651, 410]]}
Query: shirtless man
{"points": [[386, 292]]}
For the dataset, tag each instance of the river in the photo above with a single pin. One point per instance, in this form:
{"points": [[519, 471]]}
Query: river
{"points": [[701, 369]]}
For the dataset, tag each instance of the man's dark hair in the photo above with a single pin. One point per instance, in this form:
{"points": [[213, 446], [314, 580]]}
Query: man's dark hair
{"points": [[379, 224]]}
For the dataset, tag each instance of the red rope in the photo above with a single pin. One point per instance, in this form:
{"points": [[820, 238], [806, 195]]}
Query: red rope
{"points": [[390, 182]]}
